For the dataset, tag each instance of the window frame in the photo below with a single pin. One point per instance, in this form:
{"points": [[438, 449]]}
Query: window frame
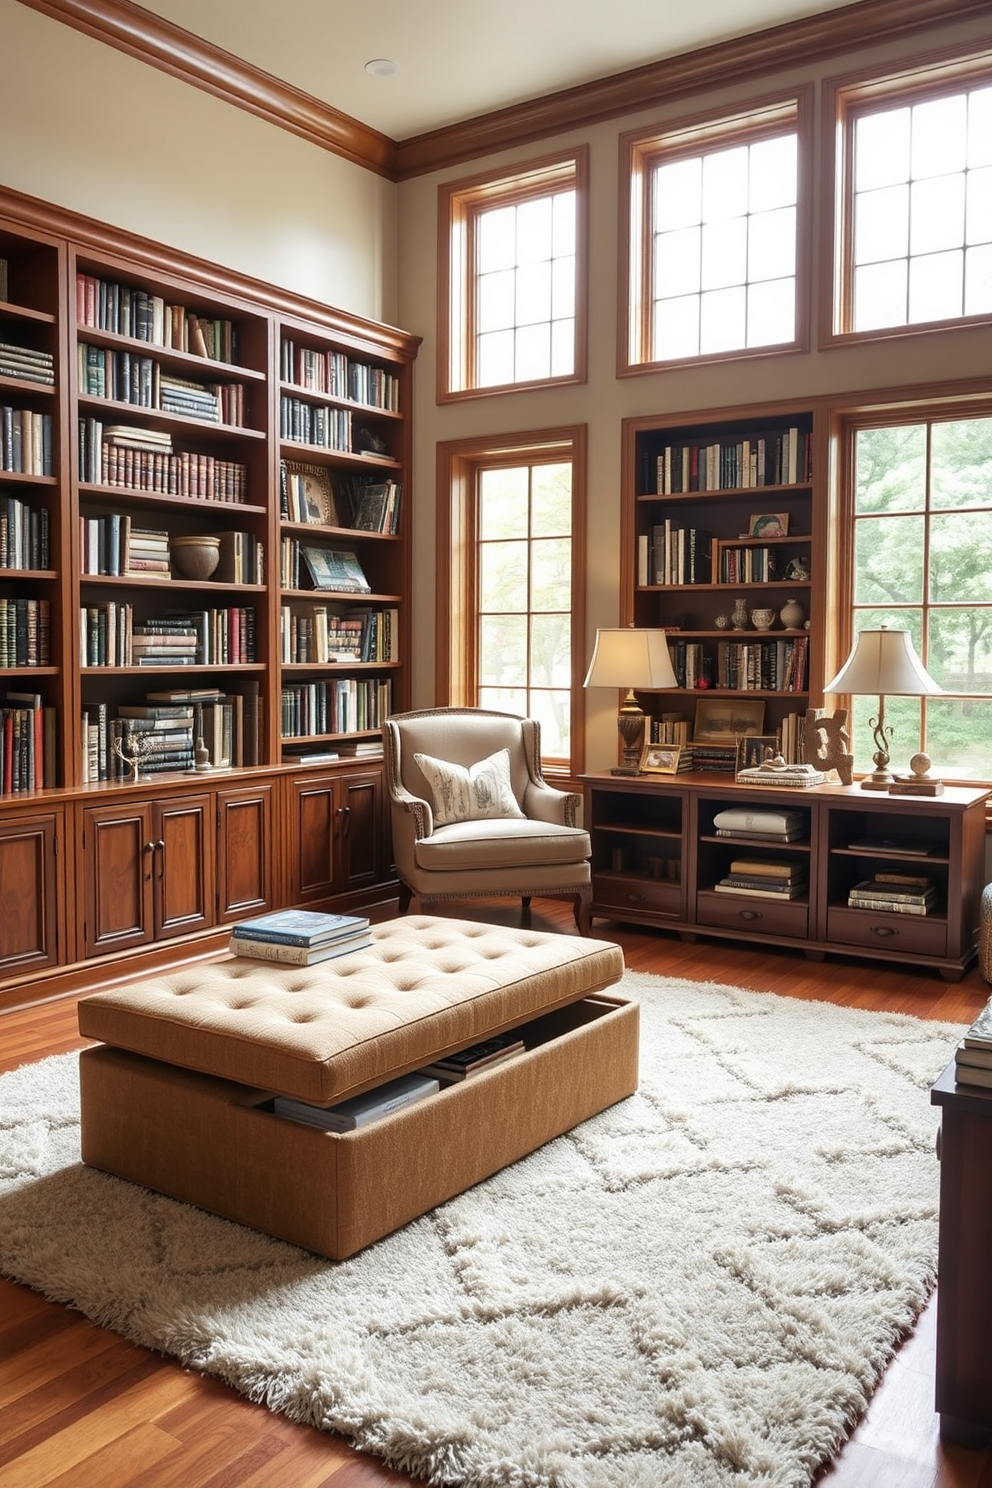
{"points": [[641, 151], [459, 462], [845, 100], [459, 205]]}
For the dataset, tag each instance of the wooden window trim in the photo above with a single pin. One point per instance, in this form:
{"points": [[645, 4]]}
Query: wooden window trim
{"points": [[459, 204], [641, 151], [458, 463], [846, 99]]}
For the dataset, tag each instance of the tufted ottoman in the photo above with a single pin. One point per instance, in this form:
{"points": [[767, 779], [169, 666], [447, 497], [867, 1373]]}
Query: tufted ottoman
{"points": [[178, 1095]]}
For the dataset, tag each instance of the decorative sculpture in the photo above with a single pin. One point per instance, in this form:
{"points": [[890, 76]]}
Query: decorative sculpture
{"points": [[132, 748], [828, 743]]}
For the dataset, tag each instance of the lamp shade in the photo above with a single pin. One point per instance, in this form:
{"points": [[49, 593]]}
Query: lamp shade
{"points": [[630, 658], [884, 662]]}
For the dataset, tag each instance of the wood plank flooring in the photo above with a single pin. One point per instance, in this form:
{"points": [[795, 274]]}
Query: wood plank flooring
{"points": [[82, 1408]]}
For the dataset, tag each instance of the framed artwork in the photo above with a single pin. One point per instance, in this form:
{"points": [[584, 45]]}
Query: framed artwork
{"points": [[769, 524], [725, 720], [311, 495], [659, 759], [754, 749]]}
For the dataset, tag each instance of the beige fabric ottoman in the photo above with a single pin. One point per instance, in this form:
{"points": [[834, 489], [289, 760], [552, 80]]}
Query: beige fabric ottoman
{"points": [[179, 1094]]}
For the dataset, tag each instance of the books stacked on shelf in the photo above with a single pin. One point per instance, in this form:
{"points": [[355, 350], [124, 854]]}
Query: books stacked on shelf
{"points": [[746, 565], [242, 559], [25, 632], [713, 758], [128, 311], [773, 665], [332, 372], [764, 879], [679, 555], [891, 847], [146, 552], [780, 457], [167, 744], [301, 937], [27, 743], [330, 568], [24, 534], [192, 399], [169, 641], [345, 705], [690, 662], [243, 702], [973, 1056], [378, 508], [26, 363], [359, 1110], [792, 738], [105, 634], [465, 1063], [314, 423], [26, 441], [765, 824], [122, 376], [671, 729], [897, 893], [125, 456], [316, 634]]}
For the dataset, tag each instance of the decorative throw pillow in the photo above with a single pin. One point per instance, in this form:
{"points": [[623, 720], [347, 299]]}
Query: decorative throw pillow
{"points": [[472, 793]]}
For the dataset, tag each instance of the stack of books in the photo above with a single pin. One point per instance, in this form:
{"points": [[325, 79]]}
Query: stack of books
{"points": [[761, 825], [973, 1057], [26, 363], [478, 1057], [359, 1110], [710, 758], [764, 879], [301, 937], [899, 893]]}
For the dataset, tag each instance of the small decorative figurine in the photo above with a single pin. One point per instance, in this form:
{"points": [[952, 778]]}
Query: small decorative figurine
{"points": [[828, 743], [132, 749]]}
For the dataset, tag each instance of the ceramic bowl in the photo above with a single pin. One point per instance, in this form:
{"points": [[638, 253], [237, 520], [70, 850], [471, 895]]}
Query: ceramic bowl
{"points": [[195, 557], [762, 619]]}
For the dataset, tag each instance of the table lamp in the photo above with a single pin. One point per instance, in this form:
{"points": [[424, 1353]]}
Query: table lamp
{"points": [[883, 661], [627, 659]]}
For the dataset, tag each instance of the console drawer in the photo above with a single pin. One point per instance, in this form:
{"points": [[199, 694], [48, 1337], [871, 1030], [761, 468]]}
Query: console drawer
{"points": [[919, 934], [765, 916], [641, 895]]}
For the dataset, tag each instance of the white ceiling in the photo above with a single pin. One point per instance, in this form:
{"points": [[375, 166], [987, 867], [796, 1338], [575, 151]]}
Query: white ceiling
{"points": [[459, 58]]}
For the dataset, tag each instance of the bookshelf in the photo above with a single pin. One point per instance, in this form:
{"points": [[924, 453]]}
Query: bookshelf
{"points": [[204, 563]]}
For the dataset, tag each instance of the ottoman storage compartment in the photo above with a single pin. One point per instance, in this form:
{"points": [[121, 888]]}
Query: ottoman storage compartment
{"points": [[216, 1142]]}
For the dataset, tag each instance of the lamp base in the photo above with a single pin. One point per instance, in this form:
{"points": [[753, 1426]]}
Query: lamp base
{"points": [[872, 782]]}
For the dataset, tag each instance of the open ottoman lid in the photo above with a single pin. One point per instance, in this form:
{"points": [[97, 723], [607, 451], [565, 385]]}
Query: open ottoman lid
{"points": [[319, 1033]]}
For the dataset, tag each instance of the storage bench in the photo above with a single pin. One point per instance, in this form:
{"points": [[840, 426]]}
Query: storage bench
{"points": [[179, 1094]]}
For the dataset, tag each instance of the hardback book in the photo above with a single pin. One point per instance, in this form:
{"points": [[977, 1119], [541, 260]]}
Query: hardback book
{"points": [[794, 834], [755, 819], [728, 886], [293, 955], [299, 927], [476, 1057], [970, 1074], [765, 868], [979, 1035], [874, 888], [360, 1110], [332, 569], [780, 886], [888, 906], [890, 847], [978, 1058]]}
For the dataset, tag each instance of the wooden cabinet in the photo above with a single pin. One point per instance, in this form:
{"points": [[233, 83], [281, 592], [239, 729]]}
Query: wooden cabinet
{"points": [[659, 854], [32, 891], [337, 838], [245, 850]]}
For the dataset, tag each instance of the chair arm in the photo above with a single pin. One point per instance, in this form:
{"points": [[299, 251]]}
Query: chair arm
{"points": [[542, 802], [411, 809]]}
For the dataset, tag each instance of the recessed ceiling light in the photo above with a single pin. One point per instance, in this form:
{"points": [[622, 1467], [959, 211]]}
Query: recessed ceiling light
{"points": [[382, 67]]}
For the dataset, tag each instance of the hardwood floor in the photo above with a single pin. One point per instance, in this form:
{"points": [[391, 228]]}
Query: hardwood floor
{"points": [[82, 1408]]}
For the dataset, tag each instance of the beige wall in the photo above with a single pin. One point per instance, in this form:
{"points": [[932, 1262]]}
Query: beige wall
{"points": [[605, 400], [88, 128]]}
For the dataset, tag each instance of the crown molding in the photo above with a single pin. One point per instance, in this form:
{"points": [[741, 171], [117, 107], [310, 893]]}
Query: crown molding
{"points": [[760, 52], [132, 29]]}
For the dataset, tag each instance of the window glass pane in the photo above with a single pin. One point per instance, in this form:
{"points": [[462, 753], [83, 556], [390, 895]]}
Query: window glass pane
{"points": [[534, 221], [725, 184], [961, 558], [936, 286], [722, 320], [937, 214], [939, 134], [881, 225], [676, 327], [888, 561], [551, 560], [533, 353], [495, 358], [502, 649], [496, 238], [978, 212], [678, 194], [902, 714], [563, 223], [771, 312], [959, 737], [961, 455], [533, 293], [881, 149], [978, 280], [959, 656], [677, 262], [551, 650], [563, 289], [772, 173], [551, 511], [504, 700], [551, 709], [880, 295], [724, 249], [980, 127], [503, 503], [496, 300], [891, 469], [503, 577], [771, 245], [562, 348]]}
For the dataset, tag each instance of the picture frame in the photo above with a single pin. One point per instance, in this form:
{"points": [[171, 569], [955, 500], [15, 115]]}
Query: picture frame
{"points": [[768, 524], [311, 495], [753, 748], [659, 759], [724, 720]]}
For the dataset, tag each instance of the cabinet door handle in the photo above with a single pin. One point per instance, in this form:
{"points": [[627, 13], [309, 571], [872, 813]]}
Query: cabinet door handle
{"points": [[148, 849], [634, 898], [344, 812], [750, 914], [160, 844], [883, 930]]}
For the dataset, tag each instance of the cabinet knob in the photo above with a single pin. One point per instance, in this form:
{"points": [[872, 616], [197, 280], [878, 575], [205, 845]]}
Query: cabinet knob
{"points": [[750, 914], [883, 930], [160, 844]]}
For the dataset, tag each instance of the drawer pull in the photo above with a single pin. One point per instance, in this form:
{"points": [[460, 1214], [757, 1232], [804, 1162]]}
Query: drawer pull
{"points": [[883, 930], [634, 898], [750, 914]]}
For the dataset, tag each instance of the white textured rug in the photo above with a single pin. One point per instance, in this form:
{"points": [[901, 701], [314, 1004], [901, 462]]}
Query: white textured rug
{"points": [[697, 1289]]}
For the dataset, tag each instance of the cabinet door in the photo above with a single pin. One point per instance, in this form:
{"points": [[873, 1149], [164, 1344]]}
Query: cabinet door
{"points": [[183, 866], [315, 805], [30, 893], [244, 851], [118, 868], [360, 830]]}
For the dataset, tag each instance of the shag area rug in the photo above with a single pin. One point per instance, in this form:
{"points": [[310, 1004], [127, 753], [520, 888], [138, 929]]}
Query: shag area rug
{"points": [[698, 1288]]}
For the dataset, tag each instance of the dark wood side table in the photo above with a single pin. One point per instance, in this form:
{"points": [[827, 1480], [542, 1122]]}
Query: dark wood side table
{"points": [[964, 1267]]}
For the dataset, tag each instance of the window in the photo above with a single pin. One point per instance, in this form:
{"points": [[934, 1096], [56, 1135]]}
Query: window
{"points": [[914, 211], [714, 217], [512, 304], [922, 518], [510, 617]]}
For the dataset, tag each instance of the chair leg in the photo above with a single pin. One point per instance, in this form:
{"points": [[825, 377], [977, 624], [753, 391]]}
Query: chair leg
{"points": [[406, 896], [582, 909]]}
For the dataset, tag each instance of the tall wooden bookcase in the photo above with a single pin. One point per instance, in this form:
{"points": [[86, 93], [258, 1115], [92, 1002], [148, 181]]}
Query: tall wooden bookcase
{"points": [[185, 401]]}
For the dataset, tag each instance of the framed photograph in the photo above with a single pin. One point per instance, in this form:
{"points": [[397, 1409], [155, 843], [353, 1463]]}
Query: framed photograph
{"points": [[754, 749], [311, 495], [725, 720], [769, 524], [659, 759]]}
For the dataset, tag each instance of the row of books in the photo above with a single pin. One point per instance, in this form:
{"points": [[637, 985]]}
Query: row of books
{"points": [[24, 534], [109, 636], [761, 878], [25, 632], [26, 441], [324, 568], [126, 377], [781, 458], [317, 634], [746, 565], [973, 1056], [170, 723], [27, 743], [27, 363], [314, 423], [776, 665], [677, 555], [126, 456], [112, 544], [343, 705], [334, 373], [896, 893], [127, 311]]}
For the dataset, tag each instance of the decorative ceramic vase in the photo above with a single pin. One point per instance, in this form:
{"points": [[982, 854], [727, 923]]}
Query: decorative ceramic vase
{"points": [[792, 615], [195, 557], [739, 617], [762, 619], [721, 622]]}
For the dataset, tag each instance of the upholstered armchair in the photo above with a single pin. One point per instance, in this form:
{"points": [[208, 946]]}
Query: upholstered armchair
{"points": [[472, 815]]}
